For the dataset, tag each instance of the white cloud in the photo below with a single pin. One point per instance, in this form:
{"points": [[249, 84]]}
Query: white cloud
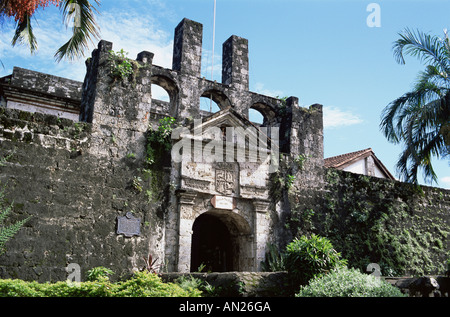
{"points": [[260, 89], [445, 182], [334, 117], [129, 31], [51, 34]]}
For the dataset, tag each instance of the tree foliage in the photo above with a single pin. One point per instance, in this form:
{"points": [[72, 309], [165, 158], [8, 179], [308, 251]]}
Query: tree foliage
{"points": [[18, 9], [80, 12], [420, 119]]}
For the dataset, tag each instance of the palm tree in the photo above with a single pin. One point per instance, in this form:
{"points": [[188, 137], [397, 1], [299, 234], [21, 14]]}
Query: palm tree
{"points": [[420, 118], [79, 11]]}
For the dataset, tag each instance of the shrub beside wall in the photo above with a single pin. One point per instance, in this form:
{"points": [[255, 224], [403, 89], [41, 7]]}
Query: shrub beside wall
{"points": [[345, 282], [142, 284]]}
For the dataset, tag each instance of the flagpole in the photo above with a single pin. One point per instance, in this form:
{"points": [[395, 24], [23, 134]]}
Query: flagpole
{"points": [[213, 45]]}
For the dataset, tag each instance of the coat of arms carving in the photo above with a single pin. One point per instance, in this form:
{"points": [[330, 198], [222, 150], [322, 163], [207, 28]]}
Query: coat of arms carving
{"points": [[225, 181]]}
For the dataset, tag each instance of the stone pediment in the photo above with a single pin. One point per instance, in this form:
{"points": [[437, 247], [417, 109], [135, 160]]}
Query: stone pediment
{"points": [[244, 175], [227, 116], [228, 126]]}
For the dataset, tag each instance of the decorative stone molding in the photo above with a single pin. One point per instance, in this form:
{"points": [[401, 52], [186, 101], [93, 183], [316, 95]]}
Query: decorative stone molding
{"points": [[187, 198], [261, 206]]}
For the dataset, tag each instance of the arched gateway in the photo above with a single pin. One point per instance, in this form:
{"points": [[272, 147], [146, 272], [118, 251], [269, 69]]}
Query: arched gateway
{"points": [[220, 242], [222, 217]]}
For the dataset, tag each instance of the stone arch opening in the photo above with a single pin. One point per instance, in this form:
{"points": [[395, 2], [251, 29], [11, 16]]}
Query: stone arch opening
{"points": [[164, 93], [209, 105], [159, 93], [221, 242], [218, 97], [267, 112], [255, 116]]}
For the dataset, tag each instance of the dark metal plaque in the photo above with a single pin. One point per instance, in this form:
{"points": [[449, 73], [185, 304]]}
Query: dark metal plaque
{"points": [[128, 225]]}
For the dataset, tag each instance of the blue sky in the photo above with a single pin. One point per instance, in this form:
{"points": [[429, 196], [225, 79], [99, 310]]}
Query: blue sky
{"points": [[321, 51]]}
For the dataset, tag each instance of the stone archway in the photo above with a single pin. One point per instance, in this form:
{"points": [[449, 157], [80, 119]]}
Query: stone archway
{"points": [[268, 113], [218, 97], [212, 246], [170, 87], [221, 242]]}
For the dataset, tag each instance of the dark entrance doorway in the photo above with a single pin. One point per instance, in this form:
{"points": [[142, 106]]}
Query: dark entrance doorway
{"points": [[212, 245]]}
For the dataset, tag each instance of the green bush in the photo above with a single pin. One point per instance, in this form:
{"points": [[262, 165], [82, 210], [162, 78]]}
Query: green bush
{"points": [[145, 284], [121, 67], [309, 257], [19, 288], [274, 260], [345, 282], [189, 283], [99, 273], [142, 284]]}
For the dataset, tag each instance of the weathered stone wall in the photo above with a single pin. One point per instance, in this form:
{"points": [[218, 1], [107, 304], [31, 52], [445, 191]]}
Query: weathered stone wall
{"points": [[403, 228], [73, 198], [46, 84], [241, 284], [34, 91]]}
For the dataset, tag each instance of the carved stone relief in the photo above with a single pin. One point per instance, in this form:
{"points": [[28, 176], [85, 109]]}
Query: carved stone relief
{"points": [[225, 178]]}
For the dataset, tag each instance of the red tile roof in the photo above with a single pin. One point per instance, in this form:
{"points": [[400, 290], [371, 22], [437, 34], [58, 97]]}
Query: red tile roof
{"points": [[348, 158], [344, 160]]}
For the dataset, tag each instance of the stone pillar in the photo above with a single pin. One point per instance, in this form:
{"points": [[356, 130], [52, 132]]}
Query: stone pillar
{"points": [[187, 48], [307, 141], [92, 80], [118, 108], [307, 132], [145, 57], [262, 226], [186, 222], [235, 65], [187, 60], [288, 134]]}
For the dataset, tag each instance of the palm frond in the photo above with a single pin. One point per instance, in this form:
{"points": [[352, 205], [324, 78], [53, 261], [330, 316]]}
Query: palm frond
{"points": [[398, 112], [432, 74], [427, 48], [418, 119], [84, 29], [24, 34], [423, 140], [417, 156]]}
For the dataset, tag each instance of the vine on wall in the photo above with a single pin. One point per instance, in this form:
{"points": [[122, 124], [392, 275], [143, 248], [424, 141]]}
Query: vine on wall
{"points": [[123, 68], [158, 149], [369, 220]]}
